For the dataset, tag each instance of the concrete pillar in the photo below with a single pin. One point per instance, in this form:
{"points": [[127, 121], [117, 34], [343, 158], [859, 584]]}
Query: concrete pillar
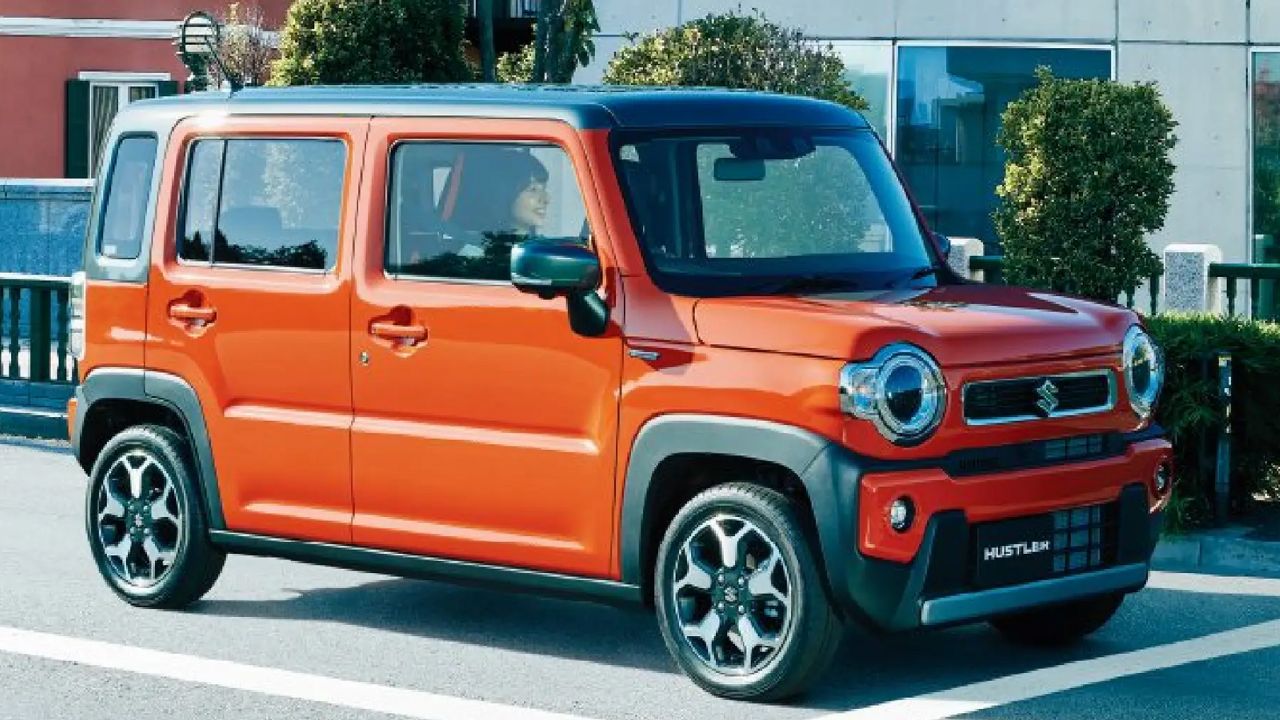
{"points": [[961, 250], [1187, 285]]}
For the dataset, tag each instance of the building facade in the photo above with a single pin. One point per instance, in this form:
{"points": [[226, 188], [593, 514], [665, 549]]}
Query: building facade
{"points": [[66, 68], [938, 74]]}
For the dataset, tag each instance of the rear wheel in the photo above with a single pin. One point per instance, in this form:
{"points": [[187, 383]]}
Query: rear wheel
{"points": [[1059, 624], [145, 524], [740, 600]]}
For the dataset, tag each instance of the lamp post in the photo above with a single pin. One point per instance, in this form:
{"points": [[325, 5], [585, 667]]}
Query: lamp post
{"points": [[197, 44]]}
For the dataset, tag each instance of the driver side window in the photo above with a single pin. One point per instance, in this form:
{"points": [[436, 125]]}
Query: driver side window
{"points": [[456, 209]]}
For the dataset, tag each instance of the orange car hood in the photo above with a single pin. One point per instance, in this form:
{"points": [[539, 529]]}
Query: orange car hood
{"points": [[960, 325]]}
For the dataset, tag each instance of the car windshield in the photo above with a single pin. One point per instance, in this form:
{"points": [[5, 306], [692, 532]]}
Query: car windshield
{"points": [[770, 211]]}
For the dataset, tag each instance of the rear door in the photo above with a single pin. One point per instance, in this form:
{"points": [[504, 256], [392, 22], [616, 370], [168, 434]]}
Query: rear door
{"points": [[485, 428], [249, 302]]}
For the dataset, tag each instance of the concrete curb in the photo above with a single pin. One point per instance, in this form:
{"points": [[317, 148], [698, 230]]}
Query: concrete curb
{"points": [[1226, 549], [33, 422]]}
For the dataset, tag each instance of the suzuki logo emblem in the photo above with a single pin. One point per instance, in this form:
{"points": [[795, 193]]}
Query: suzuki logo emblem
{"points": [[1048, 401]]}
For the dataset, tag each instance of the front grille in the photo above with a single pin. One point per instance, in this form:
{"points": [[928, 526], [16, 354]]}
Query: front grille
{"points": [[1084, 539], [1039, 453], [1038, 397]]}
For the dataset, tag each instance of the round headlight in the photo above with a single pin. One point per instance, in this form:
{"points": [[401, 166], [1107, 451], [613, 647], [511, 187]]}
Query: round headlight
{"points": [[901, 391], [1143, 371]]}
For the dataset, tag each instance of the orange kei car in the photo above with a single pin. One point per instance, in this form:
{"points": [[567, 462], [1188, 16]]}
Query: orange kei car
{"points": [[688, 348]]}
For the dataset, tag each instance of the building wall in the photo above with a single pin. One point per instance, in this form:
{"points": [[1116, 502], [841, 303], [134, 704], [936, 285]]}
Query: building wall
{"points": [[44, 43], [1196, 51], [35, 69], [274, 10]]}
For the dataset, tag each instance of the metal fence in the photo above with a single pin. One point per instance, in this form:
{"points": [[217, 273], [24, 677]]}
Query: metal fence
{"points": [[1263, 302], [33, 329], [511, 9]]}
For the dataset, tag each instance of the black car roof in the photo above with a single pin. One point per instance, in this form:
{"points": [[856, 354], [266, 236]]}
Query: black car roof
{"points": [[584, 107]]}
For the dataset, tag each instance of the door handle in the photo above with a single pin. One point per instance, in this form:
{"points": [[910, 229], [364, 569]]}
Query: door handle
{"points": [[182, 311], [407, 334]]}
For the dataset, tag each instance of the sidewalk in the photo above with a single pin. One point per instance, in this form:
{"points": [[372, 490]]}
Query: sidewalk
{"points": [[1253, 545]]}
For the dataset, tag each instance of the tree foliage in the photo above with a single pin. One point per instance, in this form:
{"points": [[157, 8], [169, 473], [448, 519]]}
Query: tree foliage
{"points": [[735, 51], [372, 41], [243, 45], [1088, 176], [561, 44], [516, 67]]}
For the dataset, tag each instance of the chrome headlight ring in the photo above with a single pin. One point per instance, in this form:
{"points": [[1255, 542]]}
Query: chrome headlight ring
{"points": [[901, 391], [1143, 369]]}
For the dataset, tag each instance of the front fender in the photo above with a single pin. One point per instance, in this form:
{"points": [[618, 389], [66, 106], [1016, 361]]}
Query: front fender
{"points": [[666, 436]]}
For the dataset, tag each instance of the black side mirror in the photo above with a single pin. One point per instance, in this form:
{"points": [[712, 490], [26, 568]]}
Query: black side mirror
{"points": [[547, 268]]}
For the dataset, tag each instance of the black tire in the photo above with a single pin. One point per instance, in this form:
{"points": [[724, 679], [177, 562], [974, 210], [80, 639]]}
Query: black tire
{"points": [[195, 562], [1059, 625], [812, 631]]}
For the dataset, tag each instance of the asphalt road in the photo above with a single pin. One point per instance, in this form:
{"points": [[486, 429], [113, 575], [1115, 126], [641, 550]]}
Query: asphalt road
{"points": [[425, 645]]}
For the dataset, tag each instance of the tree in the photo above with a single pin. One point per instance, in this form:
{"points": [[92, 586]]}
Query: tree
{"points": [[372, 41], [735, 51], [561, 44], [243, 46], [1088, 176], [488, 60]]}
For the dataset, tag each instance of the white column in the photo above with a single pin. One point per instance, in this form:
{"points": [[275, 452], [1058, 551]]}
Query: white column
{"points": [[1187, 285], [961, 250]]}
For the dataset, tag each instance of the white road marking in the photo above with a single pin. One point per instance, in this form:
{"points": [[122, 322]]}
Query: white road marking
{"points": [[1038, 683], [1216, 584], [264, 680]]}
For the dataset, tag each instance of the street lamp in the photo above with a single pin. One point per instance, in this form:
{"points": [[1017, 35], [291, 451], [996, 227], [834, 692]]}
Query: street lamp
{"points": [[197, 43]]}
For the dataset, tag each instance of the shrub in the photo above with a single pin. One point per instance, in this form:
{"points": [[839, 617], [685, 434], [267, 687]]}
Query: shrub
{"points": [[734, 51], [1192, 414], [372, 41], [516, 67], [1088, 175]]}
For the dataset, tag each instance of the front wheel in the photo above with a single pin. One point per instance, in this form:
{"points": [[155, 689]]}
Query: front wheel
{"points": [[740, 598], [1059, 624], [145, 524]]}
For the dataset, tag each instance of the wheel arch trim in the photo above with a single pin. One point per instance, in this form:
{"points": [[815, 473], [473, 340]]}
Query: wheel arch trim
{"points": [[666, 436], [165, 390]]}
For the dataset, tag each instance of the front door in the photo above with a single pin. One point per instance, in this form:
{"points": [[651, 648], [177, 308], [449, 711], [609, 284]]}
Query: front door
{"points": [[249, 302], [484, 428]]}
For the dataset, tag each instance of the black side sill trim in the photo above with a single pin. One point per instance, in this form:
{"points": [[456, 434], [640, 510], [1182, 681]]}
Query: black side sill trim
{"points": [[429, 568]]}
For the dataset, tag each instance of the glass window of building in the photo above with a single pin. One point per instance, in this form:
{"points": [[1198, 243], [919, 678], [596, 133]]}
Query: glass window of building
{"points": [[1266, 172], [868, 69], [949, 103]]}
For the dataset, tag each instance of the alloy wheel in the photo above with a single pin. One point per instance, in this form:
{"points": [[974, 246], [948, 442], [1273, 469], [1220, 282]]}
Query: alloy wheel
{"points": [[139, 519], [731, 591]]}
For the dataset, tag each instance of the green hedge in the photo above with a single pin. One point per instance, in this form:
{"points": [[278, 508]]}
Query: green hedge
{"points": [[1191, 412]]}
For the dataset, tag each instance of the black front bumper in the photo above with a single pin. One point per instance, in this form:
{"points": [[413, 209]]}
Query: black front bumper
{"points": [[936, 588]]}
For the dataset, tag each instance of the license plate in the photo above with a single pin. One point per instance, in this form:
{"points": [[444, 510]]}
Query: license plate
{"points": [[1014, 551]]}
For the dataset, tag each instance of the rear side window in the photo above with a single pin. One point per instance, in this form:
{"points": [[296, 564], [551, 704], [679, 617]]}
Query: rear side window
{"points": [[267, 203], [128, 189]]}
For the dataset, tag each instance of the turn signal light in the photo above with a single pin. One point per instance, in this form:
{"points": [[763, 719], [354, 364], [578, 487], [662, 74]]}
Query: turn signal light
{"points": [[1161, 479]]}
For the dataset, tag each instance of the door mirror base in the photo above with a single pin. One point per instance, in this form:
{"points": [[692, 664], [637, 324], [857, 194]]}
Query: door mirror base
{"points": [[588, 314]]}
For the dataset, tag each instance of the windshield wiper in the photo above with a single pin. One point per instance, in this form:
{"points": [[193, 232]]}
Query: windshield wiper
{"points": [[803, 284], [923, 272]]}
